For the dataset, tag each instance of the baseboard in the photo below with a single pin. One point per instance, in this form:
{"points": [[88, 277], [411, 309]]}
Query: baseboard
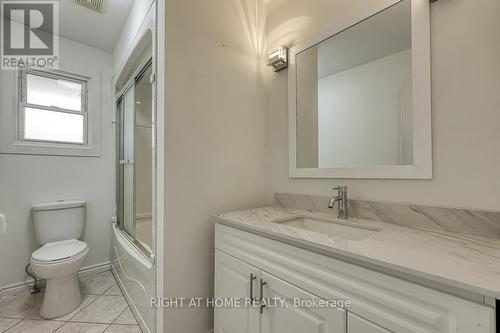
{"points": [[94, 269], [21, 287]]}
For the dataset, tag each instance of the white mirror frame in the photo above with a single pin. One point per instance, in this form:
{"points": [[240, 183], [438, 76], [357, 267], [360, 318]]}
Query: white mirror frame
{"points": [[422, 124]]}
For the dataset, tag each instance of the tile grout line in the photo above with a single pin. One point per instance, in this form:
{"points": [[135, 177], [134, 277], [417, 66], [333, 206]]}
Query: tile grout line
{"points": [[127, 308], [106, 329], [120, 314], [83, 308], [19, 322], [27, 319], [8, 328], [63, 323], [70, 319], [105, 323], [95, 299]]}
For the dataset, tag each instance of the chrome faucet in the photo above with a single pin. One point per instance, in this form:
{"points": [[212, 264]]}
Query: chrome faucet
{"points": [[341, 199]]}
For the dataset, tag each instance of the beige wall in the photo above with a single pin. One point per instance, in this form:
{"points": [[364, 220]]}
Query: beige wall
{"points": [[215, 141], [466, 103], [227, 139]]}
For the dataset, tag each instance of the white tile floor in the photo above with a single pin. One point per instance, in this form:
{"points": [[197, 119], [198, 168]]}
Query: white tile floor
{"points": [[103, 309]]}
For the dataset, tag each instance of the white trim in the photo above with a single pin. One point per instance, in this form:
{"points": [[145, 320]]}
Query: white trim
{"points": [[95, 269], [10, 142], [159, 54], [422, 133], [21, 287], [23, 105], [131, 247]]}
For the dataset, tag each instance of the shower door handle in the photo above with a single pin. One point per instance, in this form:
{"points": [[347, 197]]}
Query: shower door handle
{"points": [[123, 162], [252, 277]]}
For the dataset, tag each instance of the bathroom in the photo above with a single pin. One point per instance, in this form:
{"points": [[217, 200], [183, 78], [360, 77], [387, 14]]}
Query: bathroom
{"points": [[232, 157]]}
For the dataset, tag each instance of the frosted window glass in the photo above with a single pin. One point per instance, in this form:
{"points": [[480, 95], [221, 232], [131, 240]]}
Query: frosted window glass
{"points": [[51, 92], [53, 126]]}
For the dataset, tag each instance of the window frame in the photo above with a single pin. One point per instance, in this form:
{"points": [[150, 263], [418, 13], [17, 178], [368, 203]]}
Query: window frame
{"points": [[11, 138], [23, 104]]}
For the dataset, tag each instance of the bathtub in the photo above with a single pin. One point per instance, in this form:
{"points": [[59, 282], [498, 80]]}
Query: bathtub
{"points": [[135, 274]]}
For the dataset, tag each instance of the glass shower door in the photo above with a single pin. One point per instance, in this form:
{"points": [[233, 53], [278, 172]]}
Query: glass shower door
{"points": [[135, 190], [127, 161]]}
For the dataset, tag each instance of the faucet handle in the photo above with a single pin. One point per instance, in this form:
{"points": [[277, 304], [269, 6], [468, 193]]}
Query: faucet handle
{"points": [[339, 189]]}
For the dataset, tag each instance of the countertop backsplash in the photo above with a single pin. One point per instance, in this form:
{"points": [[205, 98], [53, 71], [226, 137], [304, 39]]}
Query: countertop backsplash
{"points": [[466, 221]]}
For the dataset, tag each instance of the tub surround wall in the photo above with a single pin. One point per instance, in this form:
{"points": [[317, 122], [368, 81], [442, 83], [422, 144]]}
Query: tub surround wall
{"points": [[134, 273], [457, 220], [130, 31], [136, 276]]}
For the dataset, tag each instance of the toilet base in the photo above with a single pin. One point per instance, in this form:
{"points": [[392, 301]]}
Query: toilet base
{"points": [[62, 296]]}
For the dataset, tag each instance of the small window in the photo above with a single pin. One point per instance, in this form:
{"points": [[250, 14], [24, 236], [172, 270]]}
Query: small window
{"points": [[53, 108]]}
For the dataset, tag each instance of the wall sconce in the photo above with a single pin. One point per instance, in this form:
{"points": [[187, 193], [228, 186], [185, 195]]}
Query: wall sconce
{"points": [[278, 58]]}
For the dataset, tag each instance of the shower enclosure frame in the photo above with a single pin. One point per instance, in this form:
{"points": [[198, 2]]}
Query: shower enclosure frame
{"points": [[151, 34], [138, 74]]}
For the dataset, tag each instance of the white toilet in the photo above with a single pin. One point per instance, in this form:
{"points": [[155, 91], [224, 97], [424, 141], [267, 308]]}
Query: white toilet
{"points": [[58, 226]]}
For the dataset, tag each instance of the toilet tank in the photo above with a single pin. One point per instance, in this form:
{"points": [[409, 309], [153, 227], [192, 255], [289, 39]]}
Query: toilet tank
{"points": [[58, 220]]}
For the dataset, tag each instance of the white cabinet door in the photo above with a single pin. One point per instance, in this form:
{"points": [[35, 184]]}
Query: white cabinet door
{"points": [[235, 279], [356, 324], [291, 319]]}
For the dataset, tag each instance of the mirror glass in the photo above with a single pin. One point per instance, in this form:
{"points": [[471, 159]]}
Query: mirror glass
{"points": [[354, 95]]}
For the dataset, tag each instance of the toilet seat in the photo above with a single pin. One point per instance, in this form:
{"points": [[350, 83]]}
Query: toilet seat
{"points": [[57, 252]]}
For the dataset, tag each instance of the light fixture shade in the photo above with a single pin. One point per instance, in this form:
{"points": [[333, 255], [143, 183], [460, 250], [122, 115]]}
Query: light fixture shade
{"points": [[278, 58]]}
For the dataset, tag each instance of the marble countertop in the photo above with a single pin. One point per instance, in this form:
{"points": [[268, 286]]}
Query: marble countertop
{"points": [[470, 263]]}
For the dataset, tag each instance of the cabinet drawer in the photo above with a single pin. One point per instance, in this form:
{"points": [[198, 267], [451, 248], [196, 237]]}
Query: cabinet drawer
{"points": [[390, 302]]}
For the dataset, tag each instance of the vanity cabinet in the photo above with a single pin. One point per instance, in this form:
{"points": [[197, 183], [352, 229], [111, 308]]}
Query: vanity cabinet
{"points": [[360, 325], [236, 279], [380, 302], [285, 318]]}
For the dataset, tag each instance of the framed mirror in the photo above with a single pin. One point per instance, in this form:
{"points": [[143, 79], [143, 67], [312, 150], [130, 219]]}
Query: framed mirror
{"points": [[360, 98]]}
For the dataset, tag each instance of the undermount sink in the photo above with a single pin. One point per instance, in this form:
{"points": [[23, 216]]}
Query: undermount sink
{"points": [[330, 228]]}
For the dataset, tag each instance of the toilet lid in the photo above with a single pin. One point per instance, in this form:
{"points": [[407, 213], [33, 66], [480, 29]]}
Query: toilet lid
{"points": [[59, 250]]}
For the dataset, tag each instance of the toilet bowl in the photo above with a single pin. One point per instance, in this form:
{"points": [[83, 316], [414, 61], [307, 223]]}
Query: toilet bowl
{"points": [[58, 263], [58, 226]]}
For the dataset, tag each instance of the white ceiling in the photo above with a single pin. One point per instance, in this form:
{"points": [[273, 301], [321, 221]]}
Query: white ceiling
{"points": [[384, 34], [86, 26]]}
